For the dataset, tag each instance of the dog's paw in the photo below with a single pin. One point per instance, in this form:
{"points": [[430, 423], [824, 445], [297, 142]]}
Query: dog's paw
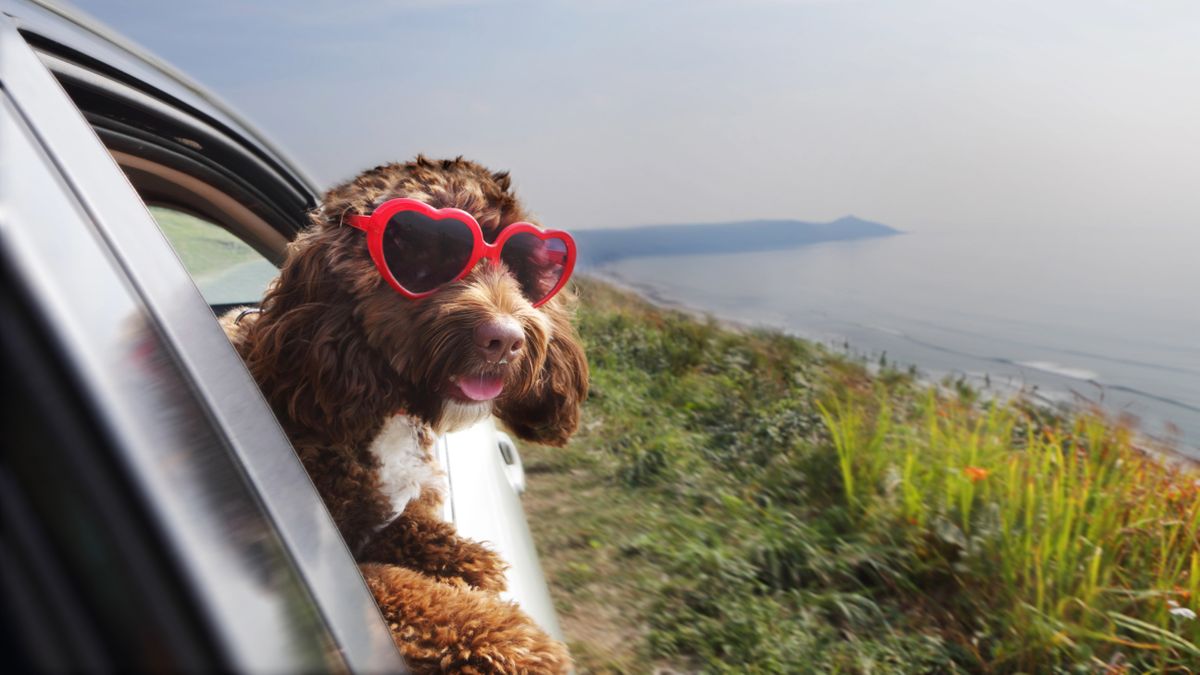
{"points": [[480, 567], [443, 627], [486, 575]]}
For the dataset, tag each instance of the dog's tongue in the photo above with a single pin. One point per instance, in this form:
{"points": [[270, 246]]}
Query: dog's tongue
{"points": [[481, 387]]}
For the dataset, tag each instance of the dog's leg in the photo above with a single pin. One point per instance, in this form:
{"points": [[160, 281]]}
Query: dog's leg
{"points": [[421, 540], [444, 626]]}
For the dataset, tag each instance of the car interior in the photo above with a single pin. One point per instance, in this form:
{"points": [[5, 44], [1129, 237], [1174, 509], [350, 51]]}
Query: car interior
{"points": [[199, 181]]}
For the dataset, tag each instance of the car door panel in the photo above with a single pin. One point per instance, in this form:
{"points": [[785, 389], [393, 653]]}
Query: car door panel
{"points": [[485, 507]]}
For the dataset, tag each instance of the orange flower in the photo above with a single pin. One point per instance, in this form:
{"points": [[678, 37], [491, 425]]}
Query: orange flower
{"points": [[976, 473]]}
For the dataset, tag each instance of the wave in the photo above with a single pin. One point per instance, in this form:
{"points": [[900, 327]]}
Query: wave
{"points": [[1175, 368], [1058, 369]]}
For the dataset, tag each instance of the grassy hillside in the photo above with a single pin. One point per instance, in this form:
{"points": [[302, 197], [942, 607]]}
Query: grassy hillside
{"points": [[204, 248], [742, 501]]}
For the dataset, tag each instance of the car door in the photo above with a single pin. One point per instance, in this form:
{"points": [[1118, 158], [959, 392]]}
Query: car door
{"points": [[155, 514], [228, 202]]}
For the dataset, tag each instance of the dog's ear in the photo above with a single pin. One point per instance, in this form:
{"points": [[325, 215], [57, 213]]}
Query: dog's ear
{"points": [[549, 412], [307, 351]]}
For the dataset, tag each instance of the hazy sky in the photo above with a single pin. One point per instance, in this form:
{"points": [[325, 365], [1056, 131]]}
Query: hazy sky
{"points": [[928, 114]]}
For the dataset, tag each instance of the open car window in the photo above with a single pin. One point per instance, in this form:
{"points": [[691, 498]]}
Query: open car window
{"points": [[207, 494], [227, 270]]}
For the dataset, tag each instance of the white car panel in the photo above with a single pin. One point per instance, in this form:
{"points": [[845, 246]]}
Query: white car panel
{"points": [[484, 506]]}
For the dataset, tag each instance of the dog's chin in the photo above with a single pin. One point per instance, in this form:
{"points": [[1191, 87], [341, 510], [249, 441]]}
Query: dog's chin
{"points": [[458, 415], [467, 399]]}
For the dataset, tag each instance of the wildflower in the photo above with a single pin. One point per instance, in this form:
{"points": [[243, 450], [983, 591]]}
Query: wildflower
{"points": [[976, 473], [1183, 612]]}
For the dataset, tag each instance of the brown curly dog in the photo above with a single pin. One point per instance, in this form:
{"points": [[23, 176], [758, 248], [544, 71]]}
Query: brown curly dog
{"points": [[364, 380]]}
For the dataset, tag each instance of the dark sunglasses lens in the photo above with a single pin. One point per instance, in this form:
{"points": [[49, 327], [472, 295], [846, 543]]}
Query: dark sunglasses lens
{"points": [[538, 264], [423, 253]]}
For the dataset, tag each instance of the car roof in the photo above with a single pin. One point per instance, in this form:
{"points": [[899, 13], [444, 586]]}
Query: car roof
{"points": [[70, 28], [120, 79]]}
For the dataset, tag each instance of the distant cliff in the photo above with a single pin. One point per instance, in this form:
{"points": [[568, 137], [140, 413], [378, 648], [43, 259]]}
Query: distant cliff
{"points": [[601, 246]]}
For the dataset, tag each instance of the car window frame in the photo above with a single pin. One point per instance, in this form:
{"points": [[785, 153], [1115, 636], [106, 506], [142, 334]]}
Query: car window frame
{"points": [[120, 231], [250, 299]]}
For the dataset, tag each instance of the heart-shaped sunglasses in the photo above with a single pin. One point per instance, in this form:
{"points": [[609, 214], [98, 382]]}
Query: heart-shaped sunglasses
{"points": [[419, 249]]}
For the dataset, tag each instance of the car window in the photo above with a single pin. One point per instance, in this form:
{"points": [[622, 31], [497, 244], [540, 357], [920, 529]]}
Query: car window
{"points": [[226, 269]]}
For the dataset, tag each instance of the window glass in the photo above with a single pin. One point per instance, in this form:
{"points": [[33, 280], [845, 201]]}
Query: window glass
{"points": [[226, 269]]}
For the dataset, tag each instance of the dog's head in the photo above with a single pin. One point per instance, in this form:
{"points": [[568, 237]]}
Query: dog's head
{"points": [[473, 347]]}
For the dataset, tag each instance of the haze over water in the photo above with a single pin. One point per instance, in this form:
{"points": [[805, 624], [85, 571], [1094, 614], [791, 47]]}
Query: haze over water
{"points": [[1107, 315]]}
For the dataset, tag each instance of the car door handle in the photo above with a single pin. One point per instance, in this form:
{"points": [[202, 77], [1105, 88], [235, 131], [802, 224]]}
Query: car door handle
{"points": [[513, 467]]}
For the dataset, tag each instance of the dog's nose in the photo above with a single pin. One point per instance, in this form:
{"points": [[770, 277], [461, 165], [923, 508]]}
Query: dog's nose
{"points": [[499, 339]]}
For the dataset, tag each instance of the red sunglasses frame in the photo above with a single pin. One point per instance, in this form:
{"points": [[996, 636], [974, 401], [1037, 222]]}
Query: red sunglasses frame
{"points": [[376, 223]]}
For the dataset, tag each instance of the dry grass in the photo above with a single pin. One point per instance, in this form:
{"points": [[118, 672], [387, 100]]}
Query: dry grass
{"points": [[598, 601]]}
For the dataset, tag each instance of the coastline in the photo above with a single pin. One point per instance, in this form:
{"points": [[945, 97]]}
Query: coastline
{"points": [[1168, 453], [652, 295]]}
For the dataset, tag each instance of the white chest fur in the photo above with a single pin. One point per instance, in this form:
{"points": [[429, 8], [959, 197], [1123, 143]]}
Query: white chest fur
{"points": [[406, 464]]}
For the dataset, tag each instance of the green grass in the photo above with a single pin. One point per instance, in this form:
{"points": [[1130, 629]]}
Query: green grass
{"points": [[203, 247], [742, 501]]}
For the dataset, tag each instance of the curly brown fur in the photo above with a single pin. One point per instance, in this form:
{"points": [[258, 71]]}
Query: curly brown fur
{"points": [[343, 359], [444, 627], [427, 543], [551, 414]]}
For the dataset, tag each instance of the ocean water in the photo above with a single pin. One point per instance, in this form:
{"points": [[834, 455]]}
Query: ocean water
{"points": [[1104, 316]]}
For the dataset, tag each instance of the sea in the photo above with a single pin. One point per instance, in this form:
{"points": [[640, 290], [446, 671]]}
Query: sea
{"points": [[1104, 316]]}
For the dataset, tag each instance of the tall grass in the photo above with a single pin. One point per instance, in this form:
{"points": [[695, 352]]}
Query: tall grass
{"points": [[1062, 544]]}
